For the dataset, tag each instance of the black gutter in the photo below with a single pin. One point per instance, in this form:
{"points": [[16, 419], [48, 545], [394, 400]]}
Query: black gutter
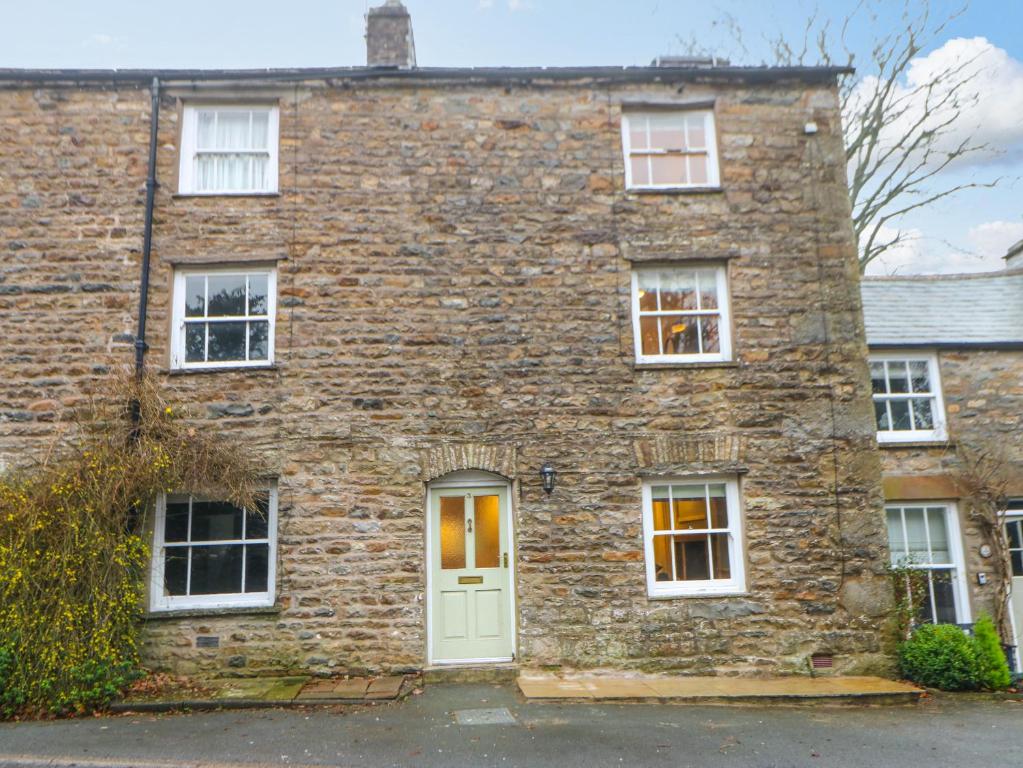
{"points": [[477, 74], [147, 235]]}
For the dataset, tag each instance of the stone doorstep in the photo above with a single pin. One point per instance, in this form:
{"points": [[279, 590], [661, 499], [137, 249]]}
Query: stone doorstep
{"points": [[794, 689]]}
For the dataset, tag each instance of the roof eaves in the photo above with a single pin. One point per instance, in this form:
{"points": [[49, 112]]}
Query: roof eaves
{"points": [[483, 74]]}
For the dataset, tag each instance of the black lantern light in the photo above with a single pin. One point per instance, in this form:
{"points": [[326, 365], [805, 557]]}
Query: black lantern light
{"points": [[548, 475]]}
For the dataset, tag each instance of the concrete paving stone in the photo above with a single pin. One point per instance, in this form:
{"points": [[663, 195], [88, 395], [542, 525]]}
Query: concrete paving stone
{"points": [[285, 689], [385, 687]]}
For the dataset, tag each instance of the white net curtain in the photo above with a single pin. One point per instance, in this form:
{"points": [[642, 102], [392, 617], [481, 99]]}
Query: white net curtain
{"points": [[232, 150]]}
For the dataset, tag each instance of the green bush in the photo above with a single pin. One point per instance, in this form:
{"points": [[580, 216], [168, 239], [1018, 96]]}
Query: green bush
{"points": [[11, 697], [992, 667], [940, 656]]}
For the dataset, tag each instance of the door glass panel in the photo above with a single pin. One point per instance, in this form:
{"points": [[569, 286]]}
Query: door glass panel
{"points": [[940, 554], [452, 532], [944, 608], [488, 531]]}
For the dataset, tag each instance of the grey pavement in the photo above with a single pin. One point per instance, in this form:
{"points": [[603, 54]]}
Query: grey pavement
{"points": [[481, 725]]}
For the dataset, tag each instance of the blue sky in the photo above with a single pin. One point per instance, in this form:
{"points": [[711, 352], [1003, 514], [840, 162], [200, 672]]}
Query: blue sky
{"points": [[265, 33]]}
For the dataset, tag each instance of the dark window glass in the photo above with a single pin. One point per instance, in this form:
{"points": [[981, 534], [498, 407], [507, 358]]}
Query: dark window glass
{"points": [[175, 571], [257, 522], [896, 376], [900, 414], [227, 341], [257, 560], [195, 296], [877, 382], [215, 521], [257, 294], [1013, 531], [195, 342], [691, 562], [226, 295], [711, 339], [259, 333], [922, 414], [944, 611], [176, 524], [1017, 563], [216, 570], [881, 414]]}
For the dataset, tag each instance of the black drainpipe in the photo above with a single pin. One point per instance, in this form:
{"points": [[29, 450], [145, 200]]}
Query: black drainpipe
{"points": [[147, 236], [147, 248]]}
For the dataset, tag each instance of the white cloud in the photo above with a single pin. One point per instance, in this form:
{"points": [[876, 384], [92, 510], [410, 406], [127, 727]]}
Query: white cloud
{"points": [[916, 254], [993, 238], [486, 3], [996, 84], [518, 5]]}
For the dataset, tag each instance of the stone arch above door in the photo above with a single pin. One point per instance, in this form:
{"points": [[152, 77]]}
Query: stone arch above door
{"points": [[439, 460]]}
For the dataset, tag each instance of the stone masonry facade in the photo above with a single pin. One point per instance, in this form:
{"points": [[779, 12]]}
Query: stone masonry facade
{"points": [[983, 394], [454, 259]]}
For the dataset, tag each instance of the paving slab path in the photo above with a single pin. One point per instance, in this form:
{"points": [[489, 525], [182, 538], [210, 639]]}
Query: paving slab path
{"points": [[490, 726]]}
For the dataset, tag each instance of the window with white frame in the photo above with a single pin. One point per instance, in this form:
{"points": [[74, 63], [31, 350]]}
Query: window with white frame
{"points": [[693, 537], [925, 537], [680, 314], [907, 397], [210, 553], [223, 318], [670, 149], [228, 149]]}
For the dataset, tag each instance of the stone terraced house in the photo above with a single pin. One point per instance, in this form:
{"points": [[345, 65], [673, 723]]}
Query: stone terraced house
{"points": [[946, 362], [551, 366]]}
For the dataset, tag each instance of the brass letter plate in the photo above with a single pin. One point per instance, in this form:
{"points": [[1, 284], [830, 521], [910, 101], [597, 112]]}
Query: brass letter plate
{"points": [[470, 579]]}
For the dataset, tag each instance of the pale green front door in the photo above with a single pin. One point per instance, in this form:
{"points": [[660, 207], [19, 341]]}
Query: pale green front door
{"points": [[471, 584]]}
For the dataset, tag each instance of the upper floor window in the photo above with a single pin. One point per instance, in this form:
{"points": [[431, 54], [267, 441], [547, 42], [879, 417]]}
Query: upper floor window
{"points": [[680, 314], [228, 150], [210, 553], [907, 397], [670, 149], [223, 318], [693, 537]]}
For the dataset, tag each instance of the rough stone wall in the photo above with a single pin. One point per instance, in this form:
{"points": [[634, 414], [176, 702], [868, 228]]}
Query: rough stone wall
{"points": [[454, 269], [983, 392]]}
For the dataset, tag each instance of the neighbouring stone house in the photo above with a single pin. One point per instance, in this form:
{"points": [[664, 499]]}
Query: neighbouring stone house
{"points": [[559, 366], [946, 359]]}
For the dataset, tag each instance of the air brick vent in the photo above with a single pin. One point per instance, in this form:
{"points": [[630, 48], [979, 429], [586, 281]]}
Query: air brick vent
{"points": [[822, 661]]}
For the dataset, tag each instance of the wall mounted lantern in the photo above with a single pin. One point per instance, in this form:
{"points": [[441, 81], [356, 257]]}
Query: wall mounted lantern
{"points": [[548, 475]]}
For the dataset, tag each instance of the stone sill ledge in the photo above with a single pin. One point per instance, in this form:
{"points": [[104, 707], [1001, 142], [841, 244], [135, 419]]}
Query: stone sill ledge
{"points": [[683, 366], [677, 191], [705, 596], [213, 613], [239, 369], [222, 195]]}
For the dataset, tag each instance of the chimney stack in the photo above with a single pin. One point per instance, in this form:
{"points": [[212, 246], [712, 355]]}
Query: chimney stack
{"points": [[389, 40], [1014, 258]]}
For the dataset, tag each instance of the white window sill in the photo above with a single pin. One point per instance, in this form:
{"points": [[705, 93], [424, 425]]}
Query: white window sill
{"points": [[217, 604], [910, 438], [253, 193], [674, 190], [731, 591]]}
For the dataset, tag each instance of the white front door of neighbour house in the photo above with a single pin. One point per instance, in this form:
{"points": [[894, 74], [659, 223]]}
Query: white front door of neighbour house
{"points": [[470, 597]]}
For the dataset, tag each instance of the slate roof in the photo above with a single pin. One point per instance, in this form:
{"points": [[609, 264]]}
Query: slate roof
{"points": [[984, 309]]}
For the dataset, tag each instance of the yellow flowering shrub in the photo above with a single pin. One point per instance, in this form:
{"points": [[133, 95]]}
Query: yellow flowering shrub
{"points": [[73, 554]]}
